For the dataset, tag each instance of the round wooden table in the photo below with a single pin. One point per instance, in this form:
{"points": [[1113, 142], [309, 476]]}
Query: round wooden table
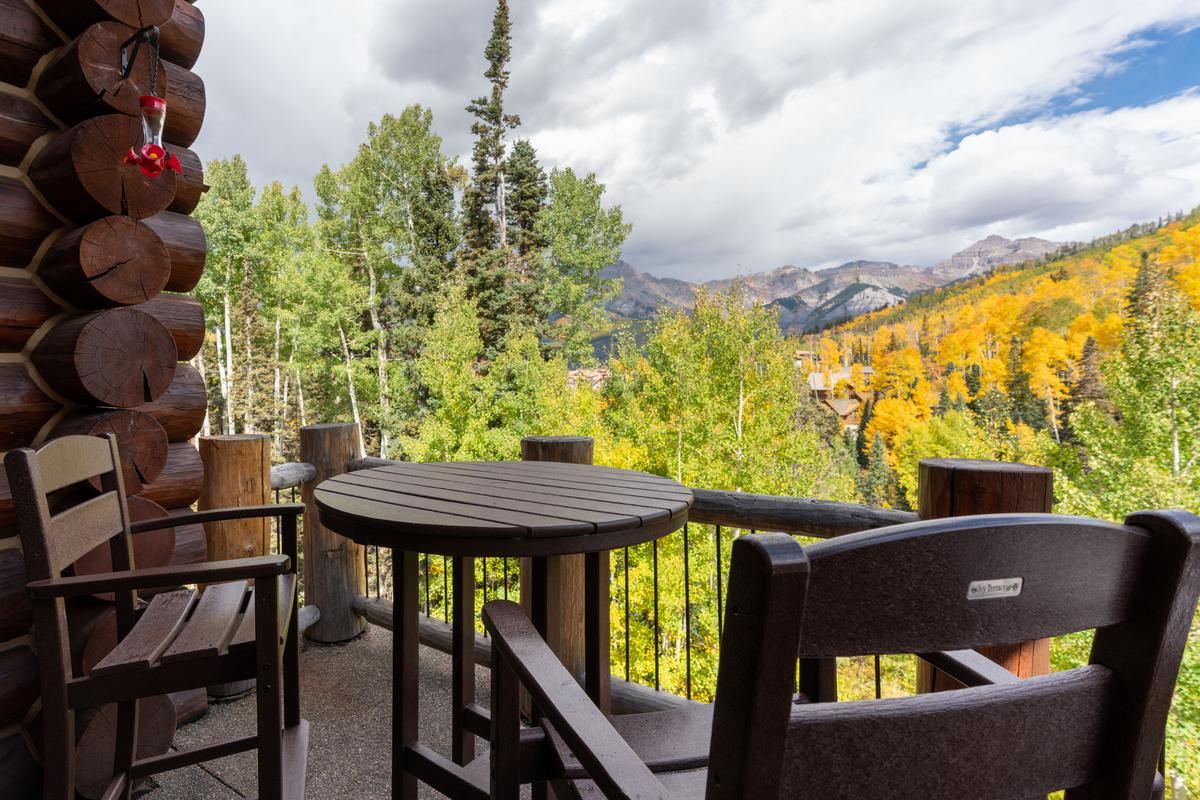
{"points": [[528, 509]]}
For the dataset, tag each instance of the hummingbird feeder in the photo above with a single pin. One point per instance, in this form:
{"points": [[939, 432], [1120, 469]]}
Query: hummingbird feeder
{"points": [[150, 155]]}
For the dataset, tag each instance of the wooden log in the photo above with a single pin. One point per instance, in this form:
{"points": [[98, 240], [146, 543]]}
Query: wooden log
{"points": [[24, 408], [951, 487], [190, 186], [186, 105], [183, 317], [16, 611], [84, 79], [191, 545], [333, 564], [183, 36], [141, 440], [24, 39], [24, 223], [820, 518], [74, 16], [289, 476], [115, 261], [83, 174], [181, 480], [23, 309], [190, 705], [21, 124], [20, 773], [19, 684], [181, 411], [237, 472], [187, 245], [121, 358], [95, 748], [91, 632], [151, 549]]}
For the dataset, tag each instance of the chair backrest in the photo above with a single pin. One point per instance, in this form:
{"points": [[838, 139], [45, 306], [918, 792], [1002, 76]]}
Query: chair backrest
{"points": [[955, 584], [61, 517]]}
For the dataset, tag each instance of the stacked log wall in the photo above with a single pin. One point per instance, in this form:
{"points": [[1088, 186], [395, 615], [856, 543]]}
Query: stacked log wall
{"points": [[95, 265]]}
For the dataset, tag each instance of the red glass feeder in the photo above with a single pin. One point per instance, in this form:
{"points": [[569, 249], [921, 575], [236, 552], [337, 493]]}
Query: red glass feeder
{"points": [[151, 157]]}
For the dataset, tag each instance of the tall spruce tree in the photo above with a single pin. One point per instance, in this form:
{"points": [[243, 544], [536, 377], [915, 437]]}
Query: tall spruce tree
{"points": [[487, 263], [1023, 404], [530, 190]]}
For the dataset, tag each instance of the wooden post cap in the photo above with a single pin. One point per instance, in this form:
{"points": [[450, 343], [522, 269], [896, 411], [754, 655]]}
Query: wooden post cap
{"points": [[954, 487]]}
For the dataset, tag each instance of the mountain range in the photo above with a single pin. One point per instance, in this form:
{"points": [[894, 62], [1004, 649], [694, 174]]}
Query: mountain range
{"points": [[808, 299]]}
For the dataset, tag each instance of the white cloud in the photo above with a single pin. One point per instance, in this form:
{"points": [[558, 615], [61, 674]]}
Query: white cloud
{"points": [[741, 135]]}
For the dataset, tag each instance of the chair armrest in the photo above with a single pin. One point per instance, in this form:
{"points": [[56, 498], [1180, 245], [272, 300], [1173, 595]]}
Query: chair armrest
{"points": [[218, 515], [970, 667], [211, 572], [607, 758]]}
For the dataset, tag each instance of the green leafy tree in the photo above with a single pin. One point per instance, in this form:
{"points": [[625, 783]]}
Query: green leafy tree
{"points": [[581, 237]]}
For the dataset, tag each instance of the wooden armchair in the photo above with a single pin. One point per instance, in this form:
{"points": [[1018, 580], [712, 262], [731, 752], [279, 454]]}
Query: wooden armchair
{"points": [[940, 588], [242, 627]]}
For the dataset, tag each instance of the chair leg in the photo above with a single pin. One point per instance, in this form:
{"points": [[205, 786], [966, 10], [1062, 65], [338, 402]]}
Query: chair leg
{"points": [[126, 744], [58, 755], [270, 675], [291, 668]]}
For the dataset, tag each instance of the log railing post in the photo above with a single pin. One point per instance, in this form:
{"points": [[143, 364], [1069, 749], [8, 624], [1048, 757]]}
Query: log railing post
{"points": [[333, 564], [566, 579], [237, 472], [957, 488]]}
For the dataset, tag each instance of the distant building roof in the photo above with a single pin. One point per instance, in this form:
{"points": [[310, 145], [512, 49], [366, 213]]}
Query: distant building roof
{"points": [[816, 380], [843, 408], [596, 377]]}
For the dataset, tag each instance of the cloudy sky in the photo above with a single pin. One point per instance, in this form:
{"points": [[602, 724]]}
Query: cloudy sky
{"points": [[740, 135]]}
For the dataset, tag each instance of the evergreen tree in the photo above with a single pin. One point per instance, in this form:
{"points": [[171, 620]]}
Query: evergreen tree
{"points": [[1088, 387], [860, 440], [877, 481], [488, 264], [530, 190], [1023, 404]]}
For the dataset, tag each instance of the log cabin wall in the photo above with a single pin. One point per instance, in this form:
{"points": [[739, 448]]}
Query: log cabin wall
{"points": [[96, 263]]}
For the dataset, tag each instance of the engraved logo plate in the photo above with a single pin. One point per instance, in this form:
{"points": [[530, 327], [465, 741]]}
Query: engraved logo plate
{"points": [[995, 589]]}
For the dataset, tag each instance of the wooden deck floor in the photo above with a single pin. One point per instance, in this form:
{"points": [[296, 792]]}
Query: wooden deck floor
{"points": [[346, 696]]}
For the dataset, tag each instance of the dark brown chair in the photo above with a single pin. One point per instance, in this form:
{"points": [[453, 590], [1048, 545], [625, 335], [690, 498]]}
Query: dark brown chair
{"points": [[242, 627], [940, 588]]}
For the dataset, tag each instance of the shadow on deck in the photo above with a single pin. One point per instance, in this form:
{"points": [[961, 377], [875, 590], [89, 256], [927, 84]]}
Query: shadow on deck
{"points": [[346, 695]]}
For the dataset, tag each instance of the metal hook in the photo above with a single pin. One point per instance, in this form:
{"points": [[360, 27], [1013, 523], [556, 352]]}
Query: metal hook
{"points": [[128, 59]]}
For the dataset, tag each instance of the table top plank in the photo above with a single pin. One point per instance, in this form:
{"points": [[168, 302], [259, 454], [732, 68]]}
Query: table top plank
{"points": [[603, 516], [527, 521], [501, 508], [564, 480], [645, 508]]}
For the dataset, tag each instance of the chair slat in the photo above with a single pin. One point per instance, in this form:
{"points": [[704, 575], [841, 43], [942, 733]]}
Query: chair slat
{"points": [[212, 624], [964, 583], [74, 459], [245, 630], [150, 638], [1021, 740], [82, 528]]}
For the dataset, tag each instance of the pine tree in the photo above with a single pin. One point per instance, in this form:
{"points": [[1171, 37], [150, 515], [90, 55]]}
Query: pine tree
{"points": [[530, 190], [877, 482], [487, 263], [1023, 404], [1088, 387], [860, 440]]}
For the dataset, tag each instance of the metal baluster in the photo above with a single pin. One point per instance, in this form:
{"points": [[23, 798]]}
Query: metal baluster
{"points": [[626, 564], [656, 672], [378, 589], [445, 591], [720, 588], [687, 613], [878, 679], [427, 584], [506, 577], [485, 587], [367, 570]]}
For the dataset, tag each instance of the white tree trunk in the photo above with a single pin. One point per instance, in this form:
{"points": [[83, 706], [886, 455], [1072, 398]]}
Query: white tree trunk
{"points": [[206, 428], [229, 373], [248, 419], [350, 386], [381, 359], [276, 412], [300, 399]]}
